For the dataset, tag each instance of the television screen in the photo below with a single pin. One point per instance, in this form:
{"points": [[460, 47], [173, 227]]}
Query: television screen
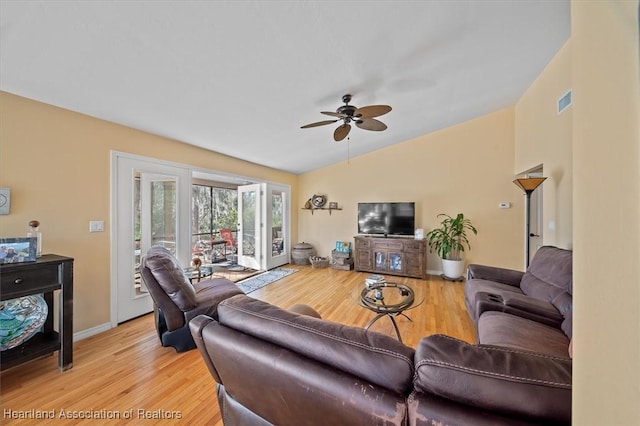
{"points": [[386, 218]]}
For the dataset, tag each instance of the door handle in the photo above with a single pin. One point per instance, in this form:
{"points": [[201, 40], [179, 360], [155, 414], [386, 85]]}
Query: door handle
{"points": [[533, 235]]}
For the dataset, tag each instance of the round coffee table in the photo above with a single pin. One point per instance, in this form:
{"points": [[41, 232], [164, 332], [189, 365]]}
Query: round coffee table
{"points": [[388, 299]]}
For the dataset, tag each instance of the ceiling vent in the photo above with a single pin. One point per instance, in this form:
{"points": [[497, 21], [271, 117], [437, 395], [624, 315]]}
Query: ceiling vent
{"points": [[564, 102]]}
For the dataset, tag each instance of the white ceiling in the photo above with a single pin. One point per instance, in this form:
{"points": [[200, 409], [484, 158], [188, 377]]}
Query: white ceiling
{"points": [[240, 78]]}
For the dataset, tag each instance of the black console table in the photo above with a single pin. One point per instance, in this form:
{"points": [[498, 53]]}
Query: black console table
{"points": [[44, 276]]}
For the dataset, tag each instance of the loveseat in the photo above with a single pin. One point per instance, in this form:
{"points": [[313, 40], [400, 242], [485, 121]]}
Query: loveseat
{"points": [[530, 310], [274, 366]]}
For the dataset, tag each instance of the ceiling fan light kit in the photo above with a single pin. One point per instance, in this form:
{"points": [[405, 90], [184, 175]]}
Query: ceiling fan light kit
{"points": [[362, 117]]}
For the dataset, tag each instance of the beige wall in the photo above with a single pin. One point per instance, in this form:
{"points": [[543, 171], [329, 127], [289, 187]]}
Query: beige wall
{"points": [[57, 164], [544, 137], [466, 168], [606, 151]]}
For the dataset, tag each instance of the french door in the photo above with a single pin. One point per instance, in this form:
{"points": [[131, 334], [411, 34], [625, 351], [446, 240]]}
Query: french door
{"points": [[263, 229], [249, 226], [150, 206]]}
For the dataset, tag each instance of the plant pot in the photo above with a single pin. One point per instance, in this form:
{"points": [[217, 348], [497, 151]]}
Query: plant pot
{"points": [[453, 269]]}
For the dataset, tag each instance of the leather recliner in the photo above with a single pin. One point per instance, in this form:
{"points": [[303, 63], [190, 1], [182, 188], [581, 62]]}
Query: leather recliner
{"points": [[276, 367], [176, 300]]}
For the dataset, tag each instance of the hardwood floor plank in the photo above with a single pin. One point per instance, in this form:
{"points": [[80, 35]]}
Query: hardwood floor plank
{"points": [[125, 369]]}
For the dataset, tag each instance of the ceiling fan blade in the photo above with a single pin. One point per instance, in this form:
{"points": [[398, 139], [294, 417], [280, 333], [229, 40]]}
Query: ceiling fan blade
{"points": [[372, 111], [371, 124], [334, 114], [319, 123], [341, 132]]}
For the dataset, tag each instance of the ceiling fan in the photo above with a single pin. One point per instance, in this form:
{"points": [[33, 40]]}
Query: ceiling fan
{"points": [[362, 117]]}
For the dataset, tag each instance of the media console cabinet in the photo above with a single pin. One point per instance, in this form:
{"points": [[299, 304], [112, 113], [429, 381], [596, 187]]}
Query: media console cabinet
{"points": [[48, 274], [406, 257]]}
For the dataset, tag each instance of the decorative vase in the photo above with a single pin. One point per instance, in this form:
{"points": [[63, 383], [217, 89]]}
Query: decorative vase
{"points": [[34, 231]]}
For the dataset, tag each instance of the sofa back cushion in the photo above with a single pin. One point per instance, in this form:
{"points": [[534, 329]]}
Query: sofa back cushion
{"points": [[549, 277], [371, 356], [162, 267]]}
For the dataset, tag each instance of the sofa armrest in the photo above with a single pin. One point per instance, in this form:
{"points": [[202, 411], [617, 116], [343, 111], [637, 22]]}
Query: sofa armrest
{"points": [[196, 327], [492, 273], [521, 305], [491, 378]]}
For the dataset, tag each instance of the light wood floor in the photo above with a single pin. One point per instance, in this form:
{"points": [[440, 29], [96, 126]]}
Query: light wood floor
{"points": [[126, 369]]}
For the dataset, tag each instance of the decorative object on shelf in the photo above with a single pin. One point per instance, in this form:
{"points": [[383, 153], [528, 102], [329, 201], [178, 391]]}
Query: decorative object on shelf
{"points": [[318, 262], [34, 231], [308, 204], [333, 205], [449, 242], [301, 252], [318, 201], [20, 319], [17, 250], [528, 185], [5, 200]]}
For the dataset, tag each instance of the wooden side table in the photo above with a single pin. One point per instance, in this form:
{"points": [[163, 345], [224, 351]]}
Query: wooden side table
{"points": [[46, 275]]}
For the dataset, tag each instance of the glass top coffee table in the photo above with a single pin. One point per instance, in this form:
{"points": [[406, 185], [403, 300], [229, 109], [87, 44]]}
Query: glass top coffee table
{"points": [[388, 299]]}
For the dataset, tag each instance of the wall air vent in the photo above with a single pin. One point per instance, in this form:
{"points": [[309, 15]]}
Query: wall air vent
{"points": [[564, 102]]}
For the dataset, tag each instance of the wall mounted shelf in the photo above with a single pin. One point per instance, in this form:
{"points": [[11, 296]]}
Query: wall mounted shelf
{"points": [[329, 209]]}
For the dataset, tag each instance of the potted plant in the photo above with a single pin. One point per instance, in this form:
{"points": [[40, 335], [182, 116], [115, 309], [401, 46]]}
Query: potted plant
{"points": [[449, 241]]}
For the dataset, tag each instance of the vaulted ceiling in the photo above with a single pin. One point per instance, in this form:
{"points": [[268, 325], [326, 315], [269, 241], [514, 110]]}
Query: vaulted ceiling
{"points": [[242, 77]]}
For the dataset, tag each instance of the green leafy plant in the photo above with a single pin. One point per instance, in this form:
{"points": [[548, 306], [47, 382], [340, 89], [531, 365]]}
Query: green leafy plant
{"points": [[450, 239]]}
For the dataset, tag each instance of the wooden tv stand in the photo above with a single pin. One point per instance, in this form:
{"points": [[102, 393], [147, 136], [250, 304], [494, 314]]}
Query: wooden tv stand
{"points": [[406, 257]]}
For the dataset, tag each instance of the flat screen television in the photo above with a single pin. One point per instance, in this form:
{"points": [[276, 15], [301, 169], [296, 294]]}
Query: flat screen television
{"points": [[386, 218]]}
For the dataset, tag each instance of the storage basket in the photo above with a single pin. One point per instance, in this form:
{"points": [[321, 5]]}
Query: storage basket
{"points": [[318, 262]]}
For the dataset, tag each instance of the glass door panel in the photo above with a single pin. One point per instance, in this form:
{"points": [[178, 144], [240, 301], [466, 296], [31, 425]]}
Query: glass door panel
{"points": [[277, 223], [249, 230], [395, 262], [381, 260], [277, 234], [158, 220]]}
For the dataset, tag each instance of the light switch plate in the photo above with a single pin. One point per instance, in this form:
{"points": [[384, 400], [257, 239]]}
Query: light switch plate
{"points": [[96, 226]]}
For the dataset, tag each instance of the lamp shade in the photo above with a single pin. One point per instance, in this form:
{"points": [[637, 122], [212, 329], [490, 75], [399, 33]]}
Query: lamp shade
{"points": [[529, 184]]}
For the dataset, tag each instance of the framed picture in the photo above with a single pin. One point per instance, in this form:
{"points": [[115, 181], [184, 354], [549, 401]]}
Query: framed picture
{"points": [[17, 250], [5, 200], [333, 205]]}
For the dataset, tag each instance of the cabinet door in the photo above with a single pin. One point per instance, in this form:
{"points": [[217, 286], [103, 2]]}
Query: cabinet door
{"points": [[363, 259], [396, 263], [413, 264], [380, 260]]}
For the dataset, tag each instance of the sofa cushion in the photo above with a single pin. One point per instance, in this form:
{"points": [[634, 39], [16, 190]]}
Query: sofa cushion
{"points": [[511, 331], [495, 379], [549, 275], [372, 356], [170, 275]]}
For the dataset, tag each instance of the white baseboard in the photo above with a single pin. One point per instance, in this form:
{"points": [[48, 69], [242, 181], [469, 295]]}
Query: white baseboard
{"points": [[91, 331]]}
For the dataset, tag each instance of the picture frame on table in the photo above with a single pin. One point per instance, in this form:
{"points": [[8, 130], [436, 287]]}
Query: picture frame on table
{"points": [[18, 250]]}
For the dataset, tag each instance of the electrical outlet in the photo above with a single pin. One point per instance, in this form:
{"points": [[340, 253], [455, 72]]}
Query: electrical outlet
{"points": [[504, 205]]}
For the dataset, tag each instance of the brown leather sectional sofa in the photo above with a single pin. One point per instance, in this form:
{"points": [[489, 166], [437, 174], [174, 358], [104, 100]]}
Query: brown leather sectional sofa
{"points": [[279, 367]]}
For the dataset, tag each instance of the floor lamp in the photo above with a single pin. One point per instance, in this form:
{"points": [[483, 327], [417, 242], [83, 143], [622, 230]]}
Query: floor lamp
{"points": [[528, 185]]}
